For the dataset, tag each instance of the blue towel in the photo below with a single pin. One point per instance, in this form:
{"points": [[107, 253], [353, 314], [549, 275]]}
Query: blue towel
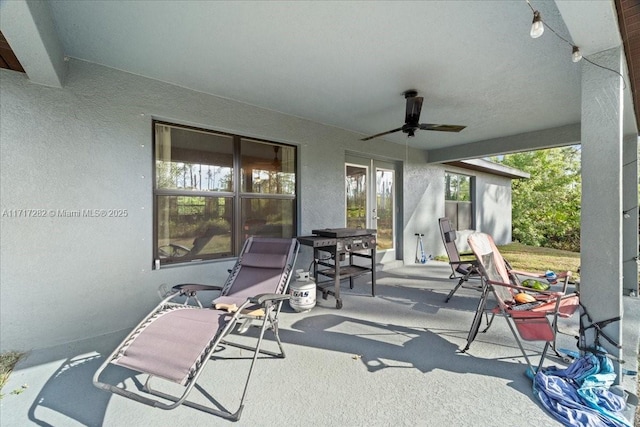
{"points": [[579, 395], [579, 369]]}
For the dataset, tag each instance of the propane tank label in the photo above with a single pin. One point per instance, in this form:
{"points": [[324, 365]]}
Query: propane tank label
{"points": [[299, 294]]}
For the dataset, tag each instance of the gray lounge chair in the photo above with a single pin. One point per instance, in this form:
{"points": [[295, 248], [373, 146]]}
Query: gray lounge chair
{"points": [[177, 339], [173, 250], [460, 269]]}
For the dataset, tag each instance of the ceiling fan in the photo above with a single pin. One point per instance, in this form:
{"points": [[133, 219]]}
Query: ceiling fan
{"points": [[412, 119]]}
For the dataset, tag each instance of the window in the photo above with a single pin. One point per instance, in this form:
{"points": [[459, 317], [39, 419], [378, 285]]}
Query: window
{"points": [[458, 201], [214, 190]]}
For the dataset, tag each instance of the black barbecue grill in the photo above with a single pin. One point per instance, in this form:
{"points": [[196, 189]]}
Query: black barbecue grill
{"points": [[344, 246]]}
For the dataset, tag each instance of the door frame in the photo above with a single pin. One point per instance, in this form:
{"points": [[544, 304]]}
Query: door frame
{"points": [[372, 165]]}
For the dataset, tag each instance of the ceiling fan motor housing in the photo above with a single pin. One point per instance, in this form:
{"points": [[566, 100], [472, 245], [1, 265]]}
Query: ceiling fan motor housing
{"points": [[410, 130], [412, 116]]}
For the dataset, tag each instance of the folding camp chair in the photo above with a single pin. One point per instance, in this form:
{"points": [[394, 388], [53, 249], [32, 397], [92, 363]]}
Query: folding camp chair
{"points": [[534, 321], [175, 341], [464, 270]]}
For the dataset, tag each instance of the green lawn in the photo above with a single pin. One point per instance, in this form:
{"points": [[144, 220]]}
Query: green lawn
{"points": [[534, 259]]}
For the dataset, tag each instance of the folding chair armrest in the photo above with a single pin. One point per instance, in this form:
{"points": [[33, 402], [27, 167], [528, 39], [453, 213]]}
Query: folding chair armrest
{"points": [[506, 285], [527, 274], [176, 246], [262, 298], [561, 275], [522, 288], [173, 250], [471, 261], [194, 287], [190, 290]]}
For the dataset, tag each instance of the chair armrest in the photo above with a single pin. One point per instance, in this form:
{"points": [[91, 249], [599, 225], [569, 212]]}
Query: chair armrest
{"points": [[562, 278], [527, 274], [522, 288], [262, 298], [191, 288], [465, 261], [560, 275], [173, 250], [176, 246]]}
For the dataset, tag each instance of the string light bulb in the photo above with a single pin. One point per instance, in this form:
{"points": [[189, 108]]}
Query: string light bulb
{"points": [[537, 27], [576, 55]]}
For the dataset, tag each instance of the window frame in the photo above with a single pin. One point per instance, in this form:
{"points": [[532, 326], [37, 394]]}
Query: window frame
{"points": [[457, 202], [236, 194]]}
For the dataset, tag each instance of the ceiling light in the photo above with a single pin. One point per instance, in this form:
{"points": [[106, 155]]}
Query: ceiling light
{"points": [[576, 55], [537, 27]]}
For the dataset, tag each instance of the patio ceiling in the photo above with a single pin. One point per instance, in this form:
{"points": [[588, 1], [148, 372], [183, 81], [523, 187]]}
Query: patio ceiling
{"points": [[346, 64]]}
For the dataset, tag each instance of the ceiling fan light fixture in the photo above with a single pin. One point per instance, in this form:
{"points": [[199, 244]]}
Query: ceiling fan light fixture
{"points": [[537, 27], [576, 55]]}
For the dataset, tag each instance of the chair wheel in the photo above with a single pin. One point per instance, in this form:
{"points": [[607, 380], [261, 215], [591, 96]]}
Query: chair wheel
{"points": [[338, 304]]}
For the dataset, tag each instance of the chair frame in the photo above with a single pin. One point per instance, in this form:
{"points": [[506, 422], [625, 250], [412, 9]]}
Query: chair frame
{"points": [[176, 251], [469, 268], [553, 303], [270, 303]]}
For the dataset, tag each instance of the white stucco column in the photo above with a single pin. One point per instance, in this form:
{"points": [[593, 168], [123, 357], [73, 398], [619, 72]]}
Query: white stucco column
{"points": [[601, 216], [630, 218]]}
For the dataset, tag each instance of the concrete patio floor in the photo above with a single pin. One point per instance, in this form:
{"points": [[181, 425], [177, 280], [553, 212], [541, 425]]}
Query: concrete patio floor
{"points": [[392, 359]]}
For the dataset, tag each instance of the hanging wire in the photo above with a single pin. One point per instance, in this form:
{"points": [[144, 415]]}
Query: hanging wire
{"points": [[624, 85]]}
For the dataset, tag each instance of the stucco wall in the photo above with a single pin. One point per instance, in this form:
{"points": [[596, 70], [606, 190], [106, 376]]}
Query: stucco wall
{"points": [[491, 207], [88, 146]]}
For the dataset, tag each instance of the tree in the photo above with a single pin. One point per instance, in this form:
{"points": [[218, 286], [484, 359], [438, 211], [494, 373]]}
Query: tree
{"points": [[546, 207]]}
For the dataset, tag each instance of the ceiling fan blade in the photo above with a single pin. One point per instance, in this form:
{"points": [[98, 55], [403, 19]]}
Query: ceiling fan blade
{"points": [[380, 134], [414, 106], [441, 128]]}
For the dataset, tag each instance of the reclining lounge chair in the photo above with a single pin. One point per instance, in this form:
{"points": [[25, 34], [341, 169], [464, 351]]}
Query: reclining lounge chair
{"points": [[534, 321], [173, 250], [463, 270], [177, 339]]}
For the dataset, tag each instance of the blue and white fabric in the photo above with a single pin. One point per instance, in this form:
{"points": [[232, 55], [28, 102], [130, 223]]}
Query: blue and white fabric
{"points": [[579, 395]]}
